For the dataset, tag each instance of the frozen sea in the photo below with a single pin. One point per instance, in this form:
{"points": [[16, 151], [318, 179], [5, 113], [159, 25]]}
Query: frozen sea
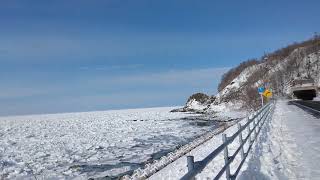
{"points": [[91, 144]]}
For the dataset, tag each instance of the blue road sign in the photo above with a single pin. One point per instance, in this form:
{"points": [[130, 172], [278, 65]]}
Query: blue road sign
{"points": [[261, 90]]}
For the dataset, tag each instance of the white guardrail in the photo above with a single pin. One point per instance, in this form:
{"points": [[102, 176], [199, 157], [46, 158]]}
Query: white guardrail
{"points": [[253, 126]]}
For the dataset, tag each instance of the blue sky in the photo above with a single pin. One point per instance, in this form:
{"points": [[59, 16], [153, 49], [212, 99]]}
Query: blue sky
{"points": [[76, 55]]}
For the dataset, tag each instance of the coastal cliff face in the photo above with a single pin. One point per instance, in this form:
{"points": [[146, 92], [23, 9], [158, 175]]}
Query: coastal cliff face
{"points": [[276, 71]]}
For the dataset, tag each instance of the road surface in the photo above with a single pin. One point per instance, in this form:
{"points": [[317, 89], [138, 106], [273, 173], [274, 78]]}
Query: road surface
{"points": [[311, 104], [289, 147]]}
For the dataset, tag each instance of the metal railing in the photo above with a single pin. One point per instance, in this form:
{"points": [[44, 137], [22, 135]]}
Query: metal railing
{"points": [[257, 121]]}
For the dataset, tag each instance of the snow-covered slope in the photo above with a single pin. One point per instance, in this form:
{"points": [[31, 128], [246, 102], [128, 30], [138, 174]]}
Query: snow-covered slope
{"points": [[237, 83], [273, 72]]}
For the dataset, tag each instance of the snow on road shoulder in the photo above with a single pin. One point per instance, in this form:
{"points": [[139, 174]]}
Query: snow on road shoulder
{"points": [[288, 148]]}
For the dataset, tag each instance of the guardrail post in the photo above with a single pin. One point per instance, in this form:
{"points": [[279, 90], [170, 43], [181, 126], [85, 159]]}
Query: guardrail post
{"points": [[271, 111], [190, 161], [253, 128], [190, 164], [248, 128], [226, 156], [241, 141]]}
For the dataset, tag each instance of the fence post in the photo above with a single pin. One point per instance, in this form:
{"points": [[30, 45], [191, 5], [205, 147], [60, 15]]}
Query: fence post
{"points": [[248, 127], [190, 164], [190, 161], [226, 156], [253, 128], [260, 123], [241, 141]]}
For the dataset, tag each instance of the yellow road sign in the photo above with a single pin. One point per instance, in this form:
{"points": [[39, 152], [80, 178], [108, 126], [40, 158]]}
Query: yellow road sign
{"points": [[267, 93]]}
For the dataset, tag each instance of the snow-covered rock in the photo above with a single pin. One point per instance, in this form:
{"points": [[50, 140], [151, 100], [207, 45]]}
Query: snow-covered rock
{"points": [[197, 103]]}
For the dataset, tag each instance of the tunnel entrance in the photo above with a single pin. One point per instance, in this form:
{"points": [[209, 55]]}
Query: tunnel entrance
{"points": [[305, 94]]}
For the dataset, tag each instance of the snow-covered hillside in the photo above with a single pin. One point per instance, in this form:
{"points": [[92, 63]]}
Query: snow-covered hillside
{"points": [[276, 71], [237, 83]]}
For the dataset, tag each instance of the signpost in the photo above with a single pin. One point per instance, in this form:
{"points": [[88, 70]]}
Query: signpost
{"points": [[264, 93], [261, 91]]}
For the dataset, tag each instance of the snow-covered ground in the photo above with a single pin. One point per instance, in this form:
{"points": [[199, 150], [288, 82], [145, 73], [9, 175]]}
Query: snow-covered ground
{"points": [[289, 148], [90, 144]]}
